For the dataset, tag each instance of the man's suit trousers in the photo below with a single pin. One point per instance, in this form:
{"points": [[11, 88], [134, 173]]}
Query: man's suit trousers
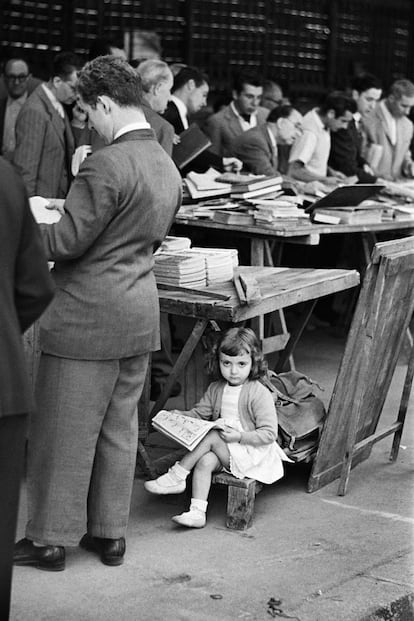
{"points": [[82, 448]]}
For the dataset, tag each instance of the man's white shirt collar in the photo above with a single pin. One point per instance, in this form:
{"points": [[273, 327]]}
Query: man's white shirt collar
{"points": [[245, 124], [55, 102], [131, 127], [182, 110]]}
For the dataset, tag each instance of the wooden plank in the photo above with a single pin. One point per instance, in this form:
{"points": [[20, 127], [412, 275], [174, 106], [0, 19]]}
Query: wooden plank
{"points": [[382, 315]]}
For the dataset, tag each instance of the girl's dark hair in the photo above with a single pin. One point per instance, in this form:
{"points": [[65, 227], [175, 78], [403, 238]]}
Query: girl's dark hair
{"points": [[234, 342]]}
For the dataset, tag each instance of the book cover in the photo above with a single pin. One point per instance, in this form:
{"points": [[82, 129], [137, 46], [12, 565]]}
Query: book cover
{"points": [[233, 217], [195, 193], [272, 189], [183, 429], [192, 142], [347, 216]]}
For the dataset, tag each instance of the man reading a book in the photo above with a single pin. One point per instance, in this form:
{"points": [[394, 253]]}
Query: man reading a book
{"points": [[258, 147], [347, 145], [389, 133], [98, 332], [308, 160], [189, 95]]}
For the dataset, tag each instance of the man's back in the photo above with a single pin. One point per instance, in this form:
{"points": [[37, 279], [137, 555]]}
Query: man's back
{"points": [[104, 306], [254, 148]]}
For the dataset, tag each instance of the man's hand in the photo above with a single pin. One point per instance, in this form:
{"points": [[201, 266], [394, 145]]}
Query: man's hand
{"points": [[335, 173], [232, 164], [176, 139]]}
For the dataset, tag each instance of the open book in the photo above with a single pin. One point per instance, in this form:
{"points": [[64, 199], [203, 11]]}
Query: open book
{"points": [[183, 429]]}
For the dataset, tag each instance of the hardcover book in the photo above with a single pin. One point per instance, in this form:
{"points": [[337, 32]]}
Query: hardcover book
{"points": [[192, 143]]}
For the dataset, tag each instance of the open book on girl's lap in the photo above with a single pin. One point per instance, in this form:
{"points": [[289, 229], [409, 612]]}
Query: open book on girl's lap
{"points": [[183, 429]]}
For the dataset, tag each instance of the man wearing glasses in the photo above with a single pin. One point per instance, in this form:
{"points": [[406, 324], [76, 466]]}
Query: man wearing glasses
{"points": [[44, 139], [16, 80]]}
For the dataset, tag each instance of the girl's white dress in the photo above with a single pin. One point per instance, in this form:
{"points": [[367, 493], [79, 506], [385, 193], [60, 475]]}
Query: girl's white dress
{"points": [[263, 463]]}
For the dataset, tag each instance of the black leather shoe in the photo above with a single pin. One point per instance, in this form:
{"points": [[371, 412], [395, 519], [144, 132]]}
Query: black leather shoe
{"points": [[49, 558], [111, 551]]}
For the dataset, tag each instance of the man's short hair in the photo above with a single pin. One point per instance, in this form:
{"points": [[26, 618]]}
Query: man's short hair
{"points": [[364, 82], [152, 72], [64, 64], [283, 111], [339, 102], [402, 88], [186, 74], [110, 76], [246, 78]]}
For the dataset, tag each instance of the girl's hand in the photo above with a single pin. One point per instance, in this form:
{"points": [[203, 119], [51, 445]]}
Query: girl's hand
{"points": [[230, 435], [56, 203]]}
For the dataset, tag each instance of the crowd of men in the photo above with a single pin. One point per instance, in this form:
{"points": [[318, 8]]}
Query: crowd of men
{"points": [[357, 134]]}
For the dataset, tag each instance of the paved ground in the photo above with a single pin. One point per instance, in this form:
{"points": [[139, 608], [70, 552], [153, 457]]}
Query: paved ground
{"points": [[312, 557]]}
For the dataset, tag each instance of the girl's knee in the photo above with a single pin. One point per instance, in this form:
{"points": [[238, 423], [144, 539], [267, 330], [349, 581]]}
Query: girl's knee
{"points": [[207, 462]]}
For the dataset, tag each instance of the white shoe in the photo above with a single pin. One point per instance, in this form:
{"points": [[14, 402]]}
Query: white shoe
{"points": [[167, 483], [193, 519]]}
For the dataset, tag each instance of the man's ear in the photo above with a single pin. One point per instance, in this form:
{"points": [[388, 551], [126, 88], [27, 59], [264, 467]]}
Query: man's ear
{"points": [[234, 94], [331, 115], [57, 81], [106, 103], [190, 85], [355, 95]]}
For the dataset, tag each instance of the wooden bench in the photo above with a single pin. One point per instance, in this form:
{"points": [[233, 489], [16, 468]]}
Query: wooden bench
{"points": [[240, 499]]}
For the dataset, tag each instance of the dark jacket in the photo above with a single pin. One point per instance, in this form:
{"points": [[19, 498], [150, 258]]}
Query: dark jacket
{"points": [[26, 288]]}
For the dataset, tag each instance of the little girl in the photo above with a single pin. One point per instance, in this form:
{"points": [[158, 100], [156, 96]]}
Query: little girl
{"points": [[245, 445]]}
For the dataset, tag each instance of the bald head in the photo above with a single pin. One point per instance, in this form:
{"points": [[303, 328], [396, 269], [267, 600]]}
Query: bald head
{"points": [[16, 75], [157, 81]]}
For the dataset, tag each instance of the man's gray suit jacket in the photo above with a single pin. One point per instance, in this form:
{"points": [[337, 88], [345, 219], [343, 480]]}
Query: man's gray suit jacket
{"points": [[118, 210], [223, 127], [44, 147], [255, 150]]}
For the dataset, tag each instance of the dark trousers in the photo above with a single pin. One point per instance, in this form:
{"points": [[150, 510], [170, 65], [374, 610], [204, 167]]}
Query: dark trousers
{"points": [[12, 446]]}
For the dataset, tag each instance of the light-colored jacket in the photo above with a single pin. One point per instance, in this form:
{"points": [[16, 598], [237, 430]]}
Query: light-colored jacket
{"points": [[257, 411], [394, 158]]}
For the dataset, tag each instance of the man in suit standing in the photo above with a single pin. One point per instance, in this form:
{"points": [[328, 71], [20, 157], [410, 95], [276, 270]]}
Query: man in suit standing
{"points": [[96, 337], [44, 139], [26, 288], [239, 116], [16, 79], [347, 145], [258, 147], [189, 95], [389, 133], [157, 81]]}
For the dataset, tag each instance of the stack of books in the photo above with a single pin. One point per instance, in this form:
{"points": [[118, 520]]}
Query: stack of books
{"points": [[195, 267], [279, 213], [174, 244], [204, 185], [183, 269], [219, 262], [348, 215], [260, 186]]}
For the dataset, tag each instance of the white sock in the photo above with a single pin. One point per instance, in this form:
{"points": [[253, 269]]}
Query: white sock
{"points": [[198, 505], [181, 472]]}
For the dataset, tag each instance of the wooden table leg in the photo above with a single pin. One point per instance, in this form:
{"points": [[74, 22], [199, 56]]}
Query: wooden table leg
{"points": [[182, 361], [295, 335]]}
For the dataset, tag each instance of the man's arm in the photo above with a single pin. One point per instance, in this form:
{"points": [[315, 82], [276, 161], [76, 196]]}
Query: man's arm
{"points": [[213, 131]]}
